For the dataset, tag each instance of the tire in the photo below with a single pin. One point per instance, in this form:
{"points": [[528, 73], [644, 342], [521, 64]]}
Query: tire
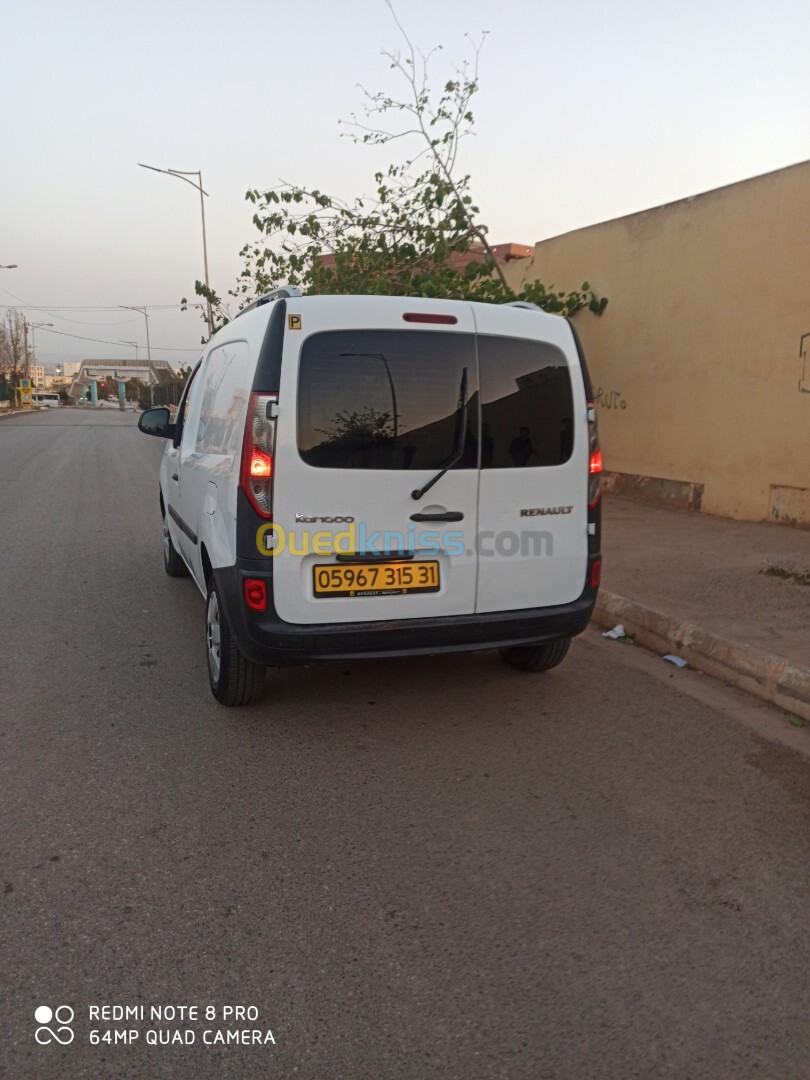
{"points": [[234, 679], [172, 561], [537, 657]]}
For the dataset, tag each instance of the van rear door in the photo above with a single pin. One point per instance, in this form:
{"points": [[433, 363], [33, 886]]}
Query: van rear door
{"points": [[373, 403], [532, 509]]}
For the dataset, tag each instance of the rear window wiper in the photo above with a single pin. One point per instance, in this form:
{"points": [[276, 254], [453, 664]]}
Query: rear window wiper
{"points": [[459, 449]]}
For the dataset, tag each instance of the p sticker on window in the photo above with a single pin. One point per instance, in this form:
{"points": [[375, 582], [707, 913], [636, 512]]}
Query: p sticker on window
{"points": [[294, 322]]}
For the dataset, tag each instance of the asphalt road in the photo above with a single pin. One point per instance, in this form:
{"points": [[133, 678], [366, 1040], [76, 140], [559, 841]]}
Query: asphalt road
{"points": [[420, 868]]}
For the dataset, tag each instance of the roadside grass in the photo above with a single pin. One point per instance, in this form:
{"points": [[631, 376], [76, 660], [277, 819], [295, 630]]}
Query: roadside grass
{"points": [[787, 573]]}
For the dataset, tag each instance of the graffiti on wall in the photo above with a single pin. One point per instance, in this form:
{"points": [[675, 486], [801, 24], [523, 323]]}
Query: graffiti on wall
{"points": [[804, 347], [609, 399]]}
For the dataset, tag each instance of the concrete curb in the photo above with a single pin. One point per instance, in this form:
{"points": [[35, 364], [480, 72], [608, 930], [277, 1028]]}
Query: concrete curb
{"points": [[767, 676]]}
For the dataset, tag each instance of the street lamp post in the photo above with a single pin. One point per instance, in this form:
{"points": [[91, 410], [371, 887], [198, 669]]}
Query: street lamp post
{"points": [[128, 307], [134, 343], [185, 176]]}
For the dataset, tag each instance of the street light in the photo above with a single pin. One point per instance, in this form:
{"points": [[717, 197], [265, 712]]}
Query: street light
{"points": [[9, 266], [135, 343], [185, 176], [143, 312]]}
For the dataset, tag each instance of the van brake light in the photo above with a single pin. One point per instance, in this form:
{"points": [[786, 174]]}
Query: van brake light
{"points": [[429, 317], [261, 464], [256, 473], [594, 459]]}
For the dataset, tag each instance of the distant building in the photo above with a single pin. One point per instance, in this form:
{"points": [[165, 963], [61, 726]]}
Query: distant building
{"points": [[152, 372], [503, 253]]}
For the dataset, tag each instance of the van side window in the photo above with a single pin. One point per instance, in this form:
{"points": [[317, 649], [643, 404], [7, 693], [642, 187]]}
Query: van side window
{"points": [[224, 401], [527, 410], [387, 399]]}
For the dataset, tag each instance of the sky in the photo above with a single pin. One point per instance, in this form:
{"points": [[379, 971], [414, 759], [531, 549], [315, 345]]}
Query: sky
{"points": [[586, 111]]}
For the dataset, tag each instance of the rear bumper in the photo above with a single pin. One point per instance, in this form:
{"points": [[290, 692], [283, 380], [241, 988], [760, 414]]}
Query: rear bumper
{"points": [[265, 639]]}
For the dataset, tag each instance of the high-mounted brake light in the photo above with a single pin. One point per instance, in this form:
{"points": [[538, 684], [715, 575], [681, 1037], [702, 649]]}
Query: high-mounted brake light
{"points": [[594, 459], [423, 316], [256, 473]]}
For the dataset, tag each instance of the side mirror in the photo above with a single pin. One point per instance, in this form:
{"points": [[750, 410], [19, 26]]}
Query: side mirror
{"points": [[156, 422]]}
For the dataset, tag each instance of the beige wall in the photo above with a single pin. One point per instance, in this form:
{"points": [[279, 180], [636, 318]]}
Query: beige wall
{"points": [[698, 352]]}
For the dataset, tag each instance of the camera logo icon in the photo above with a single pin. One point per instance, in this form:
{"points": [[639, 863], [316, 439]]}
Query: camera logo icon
{"points": [[62, 1016]]}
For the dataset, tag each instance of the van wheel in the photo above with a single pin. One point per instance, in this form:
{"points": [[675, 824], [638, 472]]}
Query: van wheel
{"points": [[234, 679], [172, 562], [537, 657]]}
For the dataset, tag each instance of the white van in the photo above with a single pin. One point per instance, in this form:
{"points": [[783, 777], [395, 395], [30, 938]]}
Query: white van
{"points": [[49, 400], [363, 476]]}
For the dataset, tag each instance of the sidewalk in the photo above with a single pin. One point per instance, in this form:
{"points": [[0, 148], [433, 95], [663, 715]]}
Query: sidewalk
{"points": [[692, 584]]}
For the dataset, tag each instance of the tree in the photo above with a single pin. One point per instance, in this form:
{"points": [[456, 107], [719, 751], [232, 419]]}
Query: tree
{"points": [[12, 348], [419, 234], [183, 374]]}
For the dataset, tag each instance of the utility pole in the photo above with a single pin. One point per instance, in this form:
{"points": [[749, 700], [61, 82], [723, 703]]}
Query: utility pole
{"points": [[33, 326]]}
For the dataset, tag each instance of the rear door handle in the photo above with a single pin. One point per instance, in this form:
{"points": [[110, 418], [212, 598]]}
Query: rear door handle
{"points": [[446, 515]]}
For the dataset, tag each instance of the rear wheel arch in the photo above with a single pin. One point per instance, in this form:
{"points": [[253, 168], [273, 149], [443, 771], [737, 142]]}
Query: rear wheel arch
{"points": [[234, 679]]}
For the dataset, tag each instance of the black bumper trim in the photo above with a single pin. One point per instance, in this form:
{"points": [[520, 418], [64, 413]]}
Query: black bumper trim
{"points": [[264, 638]]}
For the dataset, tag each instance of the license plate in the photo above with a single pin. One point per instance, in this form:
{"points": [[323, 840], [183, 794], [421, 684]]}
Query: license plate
{"points": [[375, 579]]}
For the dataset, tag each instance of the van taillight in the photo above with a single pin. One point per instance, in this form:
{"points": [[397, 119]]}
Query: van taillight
{"points": [[256, 477], [594, 459]]}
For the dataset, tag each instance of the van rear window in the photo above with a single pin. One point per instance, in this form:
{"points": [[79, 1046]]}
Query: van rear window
{"points": [[527, 410], [387, 399]]}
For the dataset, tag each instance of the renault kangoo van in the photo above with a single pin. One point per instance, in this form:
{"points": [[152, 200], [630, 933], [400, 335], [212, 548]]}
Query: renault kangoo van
{"points": [[364, 476]]}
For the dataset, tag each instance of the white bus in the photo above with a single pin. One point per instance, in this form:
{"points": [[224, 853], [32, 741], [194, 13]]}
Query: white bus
{"points": [[48, 399]]}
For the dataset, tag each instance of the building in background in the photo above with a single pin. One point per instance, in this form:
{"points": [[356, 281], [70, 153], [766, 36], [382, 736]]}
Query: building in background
{"points": [[701, 361], [151, 373]]}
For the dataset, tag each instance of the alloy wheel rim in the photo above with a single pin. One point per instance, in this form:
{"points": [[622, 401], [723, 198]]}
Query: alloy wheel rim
{"points": [[213, 635]]}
